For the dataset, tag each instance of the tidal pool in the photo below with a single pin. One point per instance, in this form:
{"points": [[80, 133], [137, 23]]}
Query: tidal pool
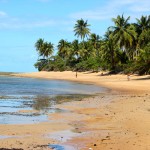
{"points": [[61, 147], [29, 110]]}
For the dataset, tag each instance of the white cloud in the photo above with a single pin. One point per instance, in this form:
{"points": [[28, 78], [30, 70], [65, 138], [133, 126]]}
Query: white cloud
{"points": [[141, 6], [10, 22], [111, 9], [17, 23], [43, 23], [3, 14], [95, 15]]}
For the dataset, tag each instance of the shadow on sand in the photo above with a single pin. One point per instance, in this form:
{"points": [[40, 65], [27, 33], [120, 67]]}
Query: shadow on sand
{"points": [[144, 78]]}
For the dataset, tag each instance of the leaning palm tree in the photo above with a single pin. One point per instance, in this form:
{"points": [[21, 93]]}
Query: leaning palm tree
{"points": [[81, 29]]}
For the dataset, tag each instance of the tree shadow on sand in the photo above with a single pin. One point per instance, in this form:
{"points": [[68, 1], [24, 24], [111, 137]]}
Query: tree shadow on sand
{"points": [[144, 78], [108, 73]]}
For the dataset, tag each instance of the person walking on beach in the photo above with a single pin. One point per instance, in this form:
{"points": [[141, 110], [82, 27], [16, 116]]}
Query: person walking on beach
{"points": [[76, 74], [128, 77]]}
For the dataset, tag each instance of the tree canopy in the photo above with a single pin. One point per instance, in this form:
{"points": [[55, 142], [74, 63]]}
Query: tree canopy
{"points": [[125, 47]]}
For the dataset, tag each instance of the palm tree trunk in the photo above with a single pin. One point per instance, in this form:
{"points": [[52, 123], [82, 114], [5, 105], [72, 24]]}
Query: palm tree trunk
{"points": [[112, 60]]}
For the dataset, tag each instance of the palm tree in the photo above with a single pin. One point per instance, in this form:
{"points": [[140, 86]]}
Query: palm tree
{"points": [[95, 41], [123, 33], [142, 27], [76, 48], [81, 29], [109, 48], [86, 50], [39, 46], [44, 49], [48, 49], [63, 48], [143, 23]]}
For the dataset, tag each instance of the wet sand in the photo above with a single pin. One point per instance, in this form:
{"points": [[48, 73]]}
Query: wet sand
{"points": [[118, 119]]}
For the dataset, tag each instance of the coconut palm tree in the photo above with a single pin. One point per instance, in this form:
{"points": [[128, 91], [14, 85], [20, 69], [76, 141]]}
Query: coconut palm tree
{"points": [[44, 49], [64, 48], [109, 48], [81, 29], [95, 41], [76, 48], [39, 46], [142, 28], [48, 49], [124, 33], [143, 23]]}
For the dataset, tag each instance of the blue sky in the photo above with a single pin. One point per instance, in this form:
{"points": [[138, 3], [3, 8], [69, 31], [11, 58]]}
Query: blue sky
{"points": [[23, 22]]}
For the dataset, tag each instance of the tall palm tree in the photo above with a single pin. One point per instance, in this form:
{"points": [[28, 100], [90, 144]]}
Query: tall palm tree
{"points": [[123, 33], [81, 29]]}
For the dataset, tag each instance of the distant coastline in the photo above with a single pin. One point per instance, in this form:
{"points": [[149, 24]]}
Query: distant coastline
{"points": [[7, 73]]}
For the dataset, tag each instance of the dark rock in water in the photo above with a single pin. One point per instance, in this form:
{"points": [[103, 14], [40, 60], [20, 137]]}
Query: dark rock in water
{"points": [[40, 146]]}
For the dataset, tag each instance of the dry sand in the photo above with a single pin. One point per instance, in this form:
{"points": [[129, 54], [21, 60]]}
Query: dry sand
{"points": [[118, 119]]}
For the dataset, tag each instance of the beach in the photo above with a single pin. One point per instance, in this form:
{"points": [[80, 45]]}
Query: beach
{"points": [[117, 119]]}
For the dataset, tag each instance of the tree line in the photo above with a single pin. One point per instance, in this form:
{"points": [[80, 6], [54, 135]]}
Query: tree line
{"points": [[125, 47]]}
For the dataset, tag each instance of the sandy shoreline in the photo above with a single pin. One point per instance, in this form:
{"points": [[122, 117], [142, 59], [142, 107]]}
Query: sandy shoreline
{"points": [[116, 120], [115, 82]]}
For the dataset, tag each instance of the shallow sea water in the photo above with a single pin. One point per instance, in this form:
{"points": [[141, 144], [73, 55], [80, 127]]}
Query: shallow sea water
{"points": [[28, 100]]}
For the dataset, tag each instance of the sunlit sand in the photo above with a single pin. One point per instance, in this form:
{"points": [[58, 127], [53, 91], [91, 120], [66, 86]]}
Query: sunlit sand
{"points": [[116, 119]]}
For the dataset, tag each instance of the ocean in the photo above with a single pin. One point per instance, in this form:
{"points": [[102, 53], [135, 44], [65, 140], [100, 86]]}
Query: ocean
{"points": [[29, 100]]}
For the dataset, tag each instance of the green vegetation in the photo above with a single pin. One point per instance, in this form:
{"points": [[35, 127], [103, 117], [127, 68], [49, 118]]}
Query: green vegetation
{"points": [[125, 47]]}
